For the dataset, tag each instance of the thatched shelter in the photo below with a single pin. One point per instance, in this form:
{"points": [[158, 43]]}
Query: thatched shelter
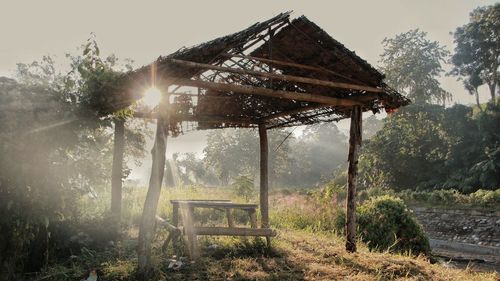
{"points": [[276, 73]]}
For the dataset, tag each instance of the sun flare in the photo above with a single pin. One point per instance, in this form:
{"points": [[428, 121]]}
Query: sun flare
{"points": [[151, 97]]}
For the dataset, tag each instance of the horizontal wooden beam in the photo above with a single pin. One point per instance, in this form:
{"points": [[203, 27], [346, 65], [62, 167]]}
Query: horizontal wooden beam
{"points": [[233, 231], [296, 65], [197, 118], [162, 222], [299, 79], [244, 89], [293, 111]]}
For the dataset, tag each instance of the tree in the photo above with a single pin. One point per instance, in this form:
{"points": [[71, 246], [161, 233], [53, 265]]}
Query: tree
{"points": [[477, 52], [234, 152], [431, 147], [56, 149], [412, 64], [320, 150]]}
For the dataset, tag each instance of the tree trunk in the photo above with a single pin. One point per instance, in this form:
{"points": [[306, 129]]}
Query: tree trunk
{"points": [[117, 172], [476, 93], [264, 184], [146, 230], [492, 87], [354, 146]]}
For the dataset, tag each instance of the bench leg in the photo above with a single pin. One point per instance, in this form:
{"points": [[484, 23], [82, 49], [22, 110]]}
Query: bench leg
{"points": [[230, 221], [175, 222], [268, 241], [253, 218], [167, 241], [191, 235]]}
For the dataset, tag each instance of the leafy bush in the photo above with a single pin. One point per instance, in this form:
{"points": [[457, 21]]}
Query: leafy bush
{"points": [[385, 223], [485, 197], [452, 197], [243, 186]]}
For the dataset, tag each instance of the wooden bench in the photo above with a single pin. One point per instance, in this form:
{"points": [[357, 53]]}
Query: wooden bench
{"points": [[183, 210]]}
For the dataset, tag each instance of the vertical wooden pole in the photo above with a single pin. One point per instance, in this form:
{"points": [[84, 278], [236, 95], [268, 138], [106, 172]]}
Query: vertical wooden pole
{"points": [[117, 171], [354, 146], [264, 181], [230, 221], [146, 228]]}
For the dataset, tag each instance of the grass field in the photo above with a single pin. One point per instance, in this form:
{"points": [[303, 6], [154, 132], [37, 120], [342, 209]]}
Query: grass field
{"points": [[302, 250]]}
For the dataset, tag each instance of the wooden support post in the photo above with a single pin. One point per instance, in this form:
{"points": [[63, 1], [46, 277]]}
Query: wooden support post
{"points": [[117, 172], [146, 228], [264, 180], [354, 147]]}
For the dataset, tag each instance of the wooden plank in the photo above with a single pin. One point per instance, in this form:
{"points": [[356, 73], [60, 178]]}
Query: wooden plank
{"points": [[264, 181], [243, 89], [176, 202], [233, 231], [222, 205], [283, 77], [354, 147]]}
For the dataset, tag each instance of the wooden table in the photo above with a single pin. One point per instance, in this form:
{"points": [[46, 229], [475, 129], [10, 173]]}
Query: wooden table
{"points": [[184, 209]]}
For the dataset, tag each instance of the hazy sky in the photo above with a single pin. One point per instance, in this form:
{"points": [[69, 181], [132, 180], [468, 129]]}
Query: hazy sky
{"points": [[144, 30]]}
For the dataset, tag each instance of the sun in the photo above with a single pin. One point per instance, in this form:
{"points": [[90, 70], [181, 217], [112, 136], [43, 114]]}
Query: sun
{"points": [[151, 97]]}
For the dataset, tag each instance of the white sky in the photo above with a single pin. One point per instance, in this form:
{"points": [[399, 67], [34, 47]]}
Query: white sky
{"points": [[144, 30]]}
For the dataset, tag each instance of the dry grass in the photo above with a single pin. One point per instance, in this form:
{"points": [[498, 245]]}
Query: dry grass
{"points": [[308, 254], [301, 255]]}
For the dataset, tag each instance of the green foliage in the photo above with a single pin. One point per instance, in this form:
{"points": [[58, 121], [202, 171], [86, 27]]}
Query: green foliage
{"points": [[192, 170], [477, 52], [56, 149], [452, 198], [412, 64], [244, 186], [321, 149], [293, 161], [427, 147], [385, 223], [234, 152]]}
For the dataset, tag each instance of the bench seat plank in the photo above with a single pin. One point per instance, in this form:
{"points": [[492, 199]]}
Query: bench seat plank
{"points": [[233, 231]]}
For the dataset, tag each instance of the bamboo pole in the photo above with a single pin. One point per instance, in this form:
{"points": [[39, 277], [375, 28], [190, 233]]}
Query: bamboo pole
{"points": [[243, 89], [283, 77], [293, 111], [354, 147]]}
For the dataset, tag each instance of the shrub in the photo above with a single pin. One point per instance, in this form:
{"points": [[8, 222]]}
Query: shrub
{"points": [[243, 186], [385, 223], [485, 197], [452, 197]]}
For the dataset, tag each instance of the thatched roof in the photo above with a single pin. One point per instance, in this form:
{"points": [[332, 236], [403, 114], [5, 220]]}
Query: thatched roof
{"points": [[279, 72]]}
